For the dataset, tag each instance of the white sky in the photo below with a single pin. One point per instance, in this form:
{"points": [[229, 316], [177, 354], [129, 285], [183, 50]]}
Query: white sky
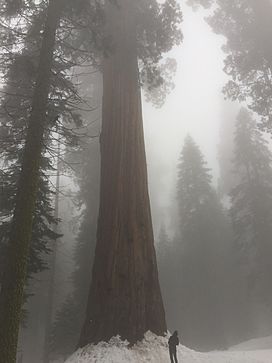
{"points": [[193, 107]]}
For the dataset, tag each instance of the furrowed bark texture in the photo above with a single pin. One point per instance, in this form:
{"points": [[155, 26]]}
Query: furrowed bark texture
{"points": [[125, 297], [11, 297]]}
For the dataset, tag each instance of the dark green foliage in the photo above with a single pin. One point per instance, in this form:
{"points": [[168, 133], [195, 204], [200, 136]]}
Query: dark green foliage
{"points": [[20, 73], [251, 209], [48, 98], [193, 188], [203, 253], [75, 43], [86, 160], [246, 24], [158, 30], [20, 70], [225, 149], [15, 110], [15, 274]]}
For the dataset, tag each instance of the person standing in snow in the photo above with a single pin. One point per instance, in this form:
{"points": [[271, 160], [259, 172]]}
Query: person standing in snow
{"points": [[173, 342]]}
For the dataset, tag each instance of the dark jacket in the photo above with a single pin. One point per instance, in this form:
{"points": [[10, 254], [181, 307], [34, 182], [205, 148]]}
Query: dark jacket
{"points": [[173, 342]]}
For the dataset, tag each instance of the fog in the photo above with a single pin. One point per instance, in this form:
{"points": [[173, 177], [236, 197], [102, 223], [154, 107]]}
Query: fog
{"points": [[194, 107], [89, 252]]}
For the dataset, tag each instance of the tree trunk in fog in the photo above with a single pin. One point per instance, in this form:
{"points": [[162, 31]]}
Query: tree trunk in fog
{"points": [[52, 269], [125, 296], [11, 298]]}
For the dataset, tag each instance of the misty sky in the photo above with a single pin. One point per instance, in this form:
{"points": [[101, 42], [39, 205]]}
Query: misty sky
{"points": [[193, 107]]}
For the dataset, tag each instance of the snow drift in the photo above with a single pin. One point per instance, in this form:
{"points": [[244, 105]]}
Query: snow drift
{"points": [[154, 349]]}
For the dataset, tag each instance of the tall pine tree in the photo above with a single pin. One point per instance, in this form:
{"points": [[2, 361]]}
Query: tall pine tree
{"points": [[251, 209], [54, 55], [12, 288], [203, 249]]}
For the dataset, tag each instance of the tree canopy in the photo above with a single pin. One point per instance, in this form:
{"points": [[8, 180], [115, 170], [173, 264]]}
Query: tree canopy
{"points": [[246, 26]]}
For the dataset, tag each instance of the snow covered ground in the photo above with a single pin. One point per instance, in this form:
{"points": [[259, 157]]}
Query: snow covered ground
{"points": [[155, 350], [255, 344]]}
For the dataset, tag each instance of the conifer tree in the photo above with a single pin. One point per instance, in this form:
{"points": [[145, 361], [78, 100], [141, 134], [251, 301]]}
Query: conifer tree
{"points": [[20, 68], [70, 317], [12, 288], [19, 73], [246, 26], [251, 209], [49, 88], [225, 149], [202, 253], [125, 296]]}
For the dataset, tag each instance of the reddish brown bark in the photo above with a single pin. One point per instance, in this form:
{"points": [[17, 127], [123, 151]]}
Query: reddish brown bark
{"points": [[125, 296]]}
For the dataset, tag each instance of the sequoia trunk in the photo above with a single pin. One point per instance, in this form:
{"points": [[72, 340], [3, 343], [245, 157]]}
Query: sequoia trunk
{"points": [[125, 297], [11, 297]]}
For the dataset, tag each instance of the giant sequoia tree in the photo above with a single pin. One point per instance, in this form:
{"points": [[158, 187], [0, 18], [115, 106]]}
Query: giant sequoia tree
{"points": [[125, 296]]}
